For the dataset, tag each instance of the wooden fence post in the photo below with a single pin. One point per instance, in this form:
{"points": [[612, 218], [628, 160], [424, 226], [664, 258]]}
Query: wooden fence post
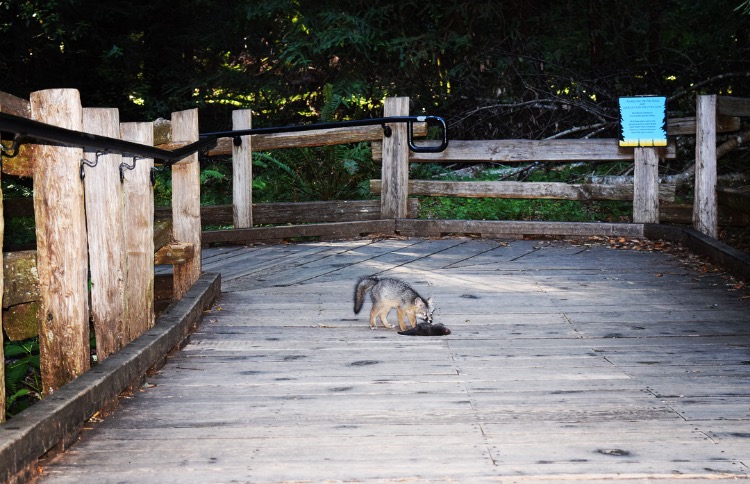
{"points": [[2, 355], [705, 208], [242, 172], [105, 235], [395, 167], [646, 186], [138, 227], [62, 259], [186, 204]]}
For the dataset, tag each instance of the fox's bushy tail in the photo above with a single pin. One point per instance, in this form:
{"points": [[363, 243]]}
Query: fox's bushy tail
{"points": [[363, 285]]}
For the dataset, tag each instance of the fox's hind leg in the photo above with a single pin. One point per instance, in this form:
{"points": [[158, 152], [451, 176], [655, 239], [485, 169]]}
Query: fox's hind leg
{"points": [[379, 310]]}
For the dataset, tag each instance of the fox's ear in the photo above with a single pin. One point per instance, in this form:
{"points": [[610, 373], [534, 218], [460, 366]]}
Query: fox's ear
{"points": [[418, 302], [429, 303]]}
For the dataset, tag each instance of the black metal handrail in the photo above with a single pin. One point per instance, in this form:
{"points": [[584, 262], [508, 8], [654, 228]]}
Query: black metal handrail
{"points": [[26, 130], [410, 120]]}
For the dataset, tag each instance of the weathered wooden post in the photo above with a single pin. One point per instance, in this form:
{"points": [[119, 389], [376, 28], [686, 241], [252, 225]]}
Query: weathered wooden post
{"points": [[105, 235], [394, 192], [186, 204], [705, 208], [138, 227], [2, 354], [242, 172], [646, 186], [62, 259]]}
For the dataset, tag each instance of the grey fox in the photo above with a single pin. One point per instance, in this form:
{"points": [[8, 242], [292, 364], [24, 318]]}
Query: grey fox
{"points": [[388, 293]]}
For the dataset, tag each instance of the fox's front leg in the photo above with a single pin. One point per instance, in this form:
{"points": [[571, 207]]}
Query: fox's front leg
{"points": [[412, 319], [401, 323]]}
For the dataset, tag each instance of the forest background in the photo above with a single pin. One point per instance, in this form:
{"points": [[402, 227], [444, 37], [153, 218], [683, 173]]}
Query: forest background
{"points": [[525, 69]]}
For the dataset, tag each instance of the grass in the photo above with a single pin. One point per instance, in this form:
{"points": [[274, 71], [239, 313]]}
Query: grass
{"points": [[512, 209]]}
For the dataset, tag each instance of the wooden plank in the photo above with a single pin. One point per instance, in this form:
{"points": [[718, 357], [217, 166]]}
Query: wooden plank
{"points": [[21, 321], [162, 232], [733, 106], [705, 207], [297, 212], [176, 253], [646, 186], [528, 386], [525, 190], [23, 163], [242, 172], [14, 105], [433, 228], [106, 237], [512, 151], [138, 226], [734, 198], [44, 425], [306, 139], [20, 279], [325, 231], [186, 217], [686, 126], [62, 258]]}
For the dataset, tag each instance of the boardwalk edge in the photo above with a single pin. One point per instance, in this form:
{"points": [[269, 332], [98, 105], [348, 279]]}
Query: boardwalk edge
{"points": [[734, 261], [36, 430]]}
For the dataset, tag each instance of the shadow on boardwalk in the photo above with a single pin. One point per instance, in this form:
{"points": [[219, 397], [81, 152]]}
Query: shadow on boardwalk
{"points": [[566, 362]]}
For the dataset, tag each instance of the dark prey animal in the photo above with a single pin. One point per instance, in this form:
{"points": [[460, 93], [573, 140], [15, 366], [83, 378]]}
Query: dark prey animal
{"points": [[427, 329]]}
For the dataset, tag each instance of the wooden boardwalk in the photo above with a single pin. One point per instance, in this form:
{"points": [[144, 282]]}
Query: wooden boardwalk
{"points": [[568, 361]]}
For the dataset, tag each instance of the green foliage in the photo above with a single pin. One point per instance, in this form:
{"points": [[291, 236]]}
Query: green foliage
{"points": [[22, 376], [513, 209], [19, 231], [337, 172]]}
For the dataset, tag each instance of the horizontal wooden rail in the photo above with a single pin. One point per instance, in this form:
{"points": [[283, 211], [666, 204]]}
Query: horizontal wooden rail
{"points": [[734, 198], [297, 212], [264, 213], [327, 137], [513, 151], [686, 126], [733, 106], [526, 190]]}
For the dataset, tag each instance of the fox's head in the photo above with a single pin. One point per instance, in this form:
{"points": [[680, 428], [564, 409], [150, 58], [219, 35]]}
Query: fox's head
{"points": [[424, 309]]}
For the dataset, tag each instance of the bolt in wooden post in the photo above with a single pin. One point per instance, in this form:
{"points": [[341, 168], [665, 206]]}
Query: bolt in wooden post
{"points": [[395, 167], [105, 235], [186, 204], [138, 226], [62, 259], [646, 186], [705, 208], [242, 172]]}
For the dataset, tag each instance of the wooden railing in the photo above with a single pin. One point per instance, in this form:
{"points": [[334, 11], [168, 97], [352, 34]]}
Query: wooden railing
{"points": [[105, 225], [95, 234]]}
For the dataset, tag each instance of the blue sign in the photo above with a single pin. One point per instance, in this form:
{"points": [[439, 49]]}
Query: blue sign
{"points": [[643, 121]]}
